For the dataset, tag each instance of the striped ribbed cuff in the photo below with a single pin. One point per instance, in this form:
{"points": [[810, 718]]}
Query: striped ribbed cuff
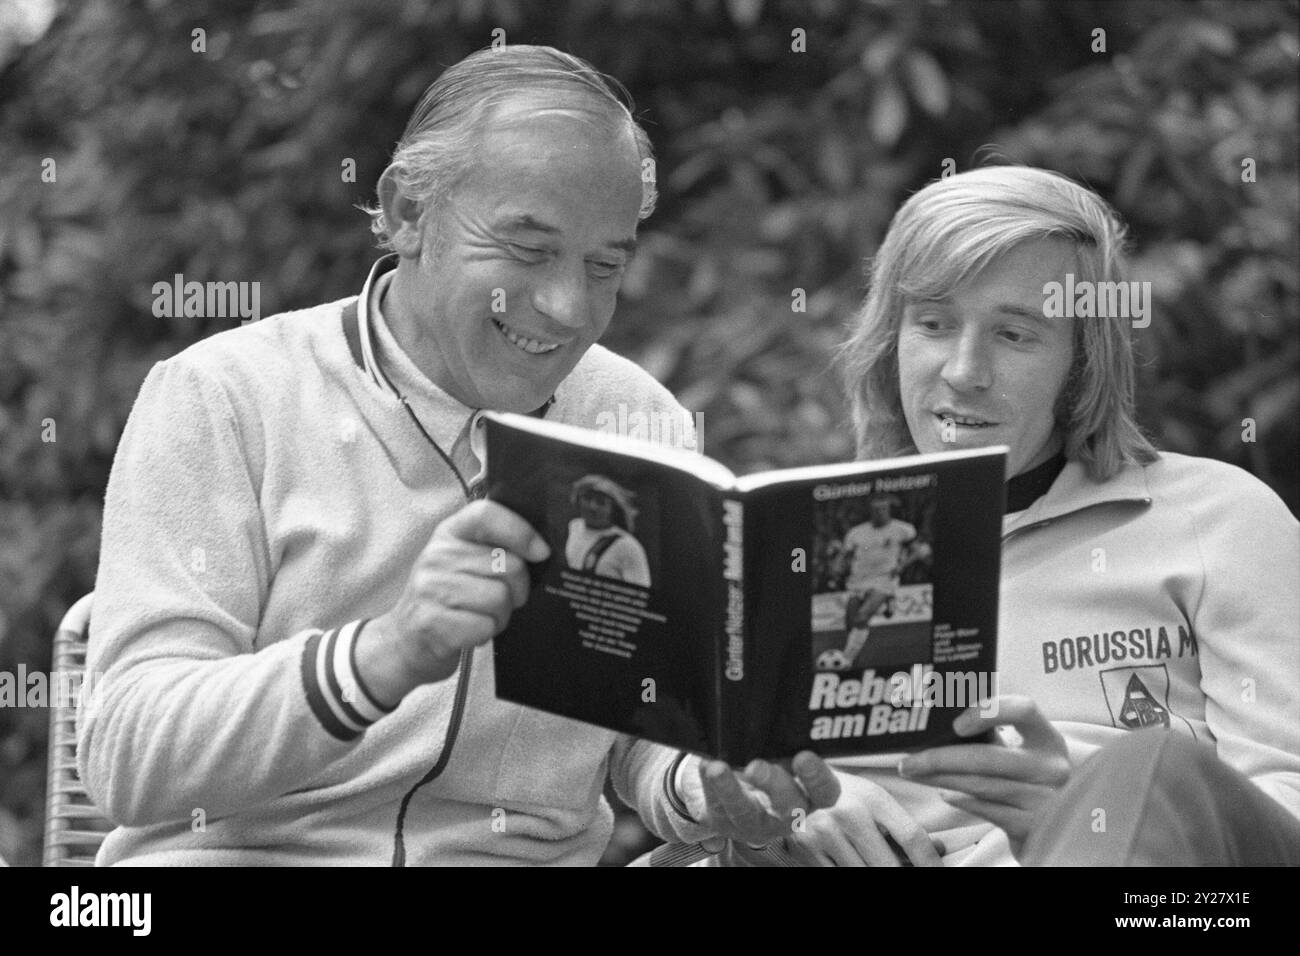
{"points": [[335, 692], [678, 854], [672, 794]]}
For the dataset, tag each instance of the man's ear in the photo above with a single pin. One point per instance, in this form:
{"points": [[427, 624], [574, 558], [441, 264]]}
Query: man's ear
{"points": [[402, 214]]}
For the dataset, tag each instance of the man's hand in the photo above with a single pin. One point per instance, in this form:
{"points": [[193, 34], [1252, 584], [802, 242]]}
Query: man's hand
{"points": [[460, 593], [762, 803], [1003, 783], [856, 831]]}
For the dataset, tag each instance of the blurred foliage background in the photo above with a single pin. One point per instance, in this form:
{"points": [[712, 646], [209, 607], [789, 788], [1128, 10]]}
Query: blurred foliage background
{"points": [[779, 169]]}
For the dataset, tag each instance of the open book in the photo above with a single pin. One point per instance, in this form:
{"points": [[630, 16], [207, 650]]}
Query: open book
{"points": [[845, 609]]}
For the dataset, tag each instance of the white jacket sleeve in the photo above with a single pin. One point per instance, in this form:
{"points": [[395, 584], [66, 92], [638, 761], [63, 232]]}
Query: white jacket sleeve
{"points": [[1247, 623], [669, 799], [192, 708]]}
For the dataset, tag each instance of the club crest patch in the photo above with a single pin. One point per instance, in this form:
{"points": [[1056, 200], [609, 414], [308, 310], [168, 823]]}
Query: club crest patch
{"points": [[1138, 697]]}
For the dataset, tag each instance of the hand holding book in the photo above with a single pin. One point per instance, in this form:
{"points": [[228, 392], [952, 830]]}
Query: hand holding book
{"points": [[470, 577], [765, 801], [867, 826], [1006, 781]]}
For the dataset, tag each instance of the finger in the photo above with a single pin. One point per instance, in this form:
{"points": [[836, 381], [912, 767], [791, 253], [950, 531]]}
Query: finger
{"points": [[449, 555], [1017, 711], [909, 835], [511, 569], [780, 790], [734, 812], [870, 846], [817, 778], [992, 789], [989, 760], [519, 585], [843, 852], [962, 758], [1015, 821], [488, 596], [493, 524]]}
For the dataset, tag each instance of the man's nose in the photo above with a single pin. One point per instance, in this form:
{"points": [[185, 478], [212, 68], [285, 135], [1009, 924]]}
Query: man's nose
{"points": [[561, 295], [970, 365]]}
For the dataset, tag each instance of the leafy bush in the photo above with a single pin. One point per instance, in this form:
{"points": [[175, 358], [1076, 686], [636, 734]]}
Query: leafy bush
{"points": [[779, 171]]}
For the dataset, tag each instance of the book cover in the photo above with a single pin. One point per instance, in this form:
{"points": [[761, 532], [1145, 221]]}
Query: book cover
{"points": [[847, 609]]}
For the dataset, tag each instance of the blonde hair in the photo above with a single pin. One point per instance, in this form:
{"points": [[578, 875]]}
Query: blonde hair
{"points": [[441, 137], [947, 233]]}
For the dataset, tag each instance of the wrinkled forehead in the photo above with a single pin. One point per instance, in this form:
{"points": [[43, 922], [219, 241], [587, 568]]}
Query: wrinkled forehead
{"points": [[523, 156]]}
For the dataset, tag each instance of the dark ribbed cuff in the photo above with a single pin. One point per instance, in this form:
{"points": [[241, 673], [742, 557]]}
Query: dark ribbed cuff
{"points": [[670, 789], [341, 702]]}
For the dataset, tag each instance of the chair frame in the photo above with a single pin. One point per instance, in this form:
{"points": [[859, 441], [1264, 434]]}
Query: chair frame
{"points": [[74, 826]]}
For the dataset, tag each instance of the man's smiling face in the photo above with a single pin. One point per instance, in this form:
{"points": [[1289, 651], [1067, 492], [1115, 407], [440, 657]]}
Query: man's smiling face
{"points": [[509, 280], [983, 366]]}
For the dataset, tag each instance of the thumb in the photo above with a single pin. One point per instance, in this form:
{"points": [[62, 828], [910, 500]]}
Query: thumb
{"points": [[818, 779]]}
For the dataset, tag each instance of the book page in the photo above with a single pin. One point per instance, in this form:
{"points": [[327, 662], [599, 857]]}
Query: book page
{"points": [[764, 479], [681, 458]]}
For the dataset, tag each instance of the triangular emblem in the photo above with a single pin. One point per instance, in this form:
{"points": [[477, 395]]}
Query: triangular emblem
{"points": [[1140, 708]]}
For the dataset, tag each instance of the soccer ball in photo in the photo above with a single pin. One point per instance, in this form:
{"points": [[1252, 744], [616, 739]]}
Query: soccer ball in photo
{"points": [[832, 660]]}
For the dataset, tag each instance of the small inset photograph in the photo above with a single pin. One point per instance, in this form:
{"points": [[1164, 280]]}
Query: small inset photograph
{"points": [[873, 598], [608, 528]]}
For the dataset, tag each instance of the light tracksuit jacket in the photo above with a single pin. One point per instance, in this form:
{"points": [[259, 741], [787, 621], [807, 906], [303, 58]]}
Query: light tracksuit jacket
{"points": [[270, 492], [1168, 596]]}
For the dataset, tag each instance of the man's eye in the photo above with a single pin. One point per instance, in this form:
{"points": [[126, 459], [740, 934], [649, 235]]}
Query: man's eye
{"points": [[527, 252], [928, 323], [1016, 336], [604, 270]]}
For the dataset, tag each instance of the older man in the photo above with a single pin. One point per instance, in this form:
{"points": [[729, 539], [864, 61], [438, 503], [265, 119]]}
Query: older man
{"points": [[295, 600], [1148, 644]]}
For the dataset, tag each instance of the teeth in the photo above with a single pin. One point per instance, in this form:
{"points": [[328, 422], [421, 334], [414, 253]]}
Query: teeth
{"points": [[969, 422], [531, 346]]}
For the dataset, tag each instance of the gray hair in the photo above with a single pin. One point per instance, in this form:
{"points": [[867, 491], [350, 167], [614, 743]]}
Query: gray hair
{"points": [[440, 138], [948, 232]]}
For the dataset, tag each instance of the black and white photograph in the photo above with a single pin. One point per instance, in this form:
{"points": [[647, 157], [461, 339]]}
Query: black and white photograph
{"points": [[601, 539], [267, 266], [873, 597]]}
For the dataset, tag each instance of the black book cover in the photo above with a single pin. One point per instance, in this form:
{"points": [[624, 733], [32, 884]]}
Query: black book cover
{"points": [[845, 609]]}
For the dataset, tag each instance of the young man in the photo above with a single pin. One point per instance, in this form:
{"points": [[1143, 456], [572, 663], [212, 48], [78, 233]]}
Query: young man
{"points": [[1127, 601], [877, 551], [600, 539], [295, 600]]}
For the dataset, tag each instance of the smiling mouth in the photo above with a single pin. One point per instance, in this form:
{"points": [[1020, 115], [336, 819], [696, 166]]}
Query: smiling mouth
{"points": [[523, 343], [965, 421]]}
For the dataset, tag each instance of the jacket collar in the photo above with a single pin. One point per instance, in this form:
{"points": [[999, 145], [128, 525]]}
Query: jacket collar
{"points": [[1074, 490], [357, 330]]}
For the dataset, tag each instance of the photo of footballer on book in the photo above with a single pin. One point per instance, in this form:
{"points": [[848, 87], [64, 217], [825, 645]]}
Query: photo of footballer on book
{"points": [[847, 609]]}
